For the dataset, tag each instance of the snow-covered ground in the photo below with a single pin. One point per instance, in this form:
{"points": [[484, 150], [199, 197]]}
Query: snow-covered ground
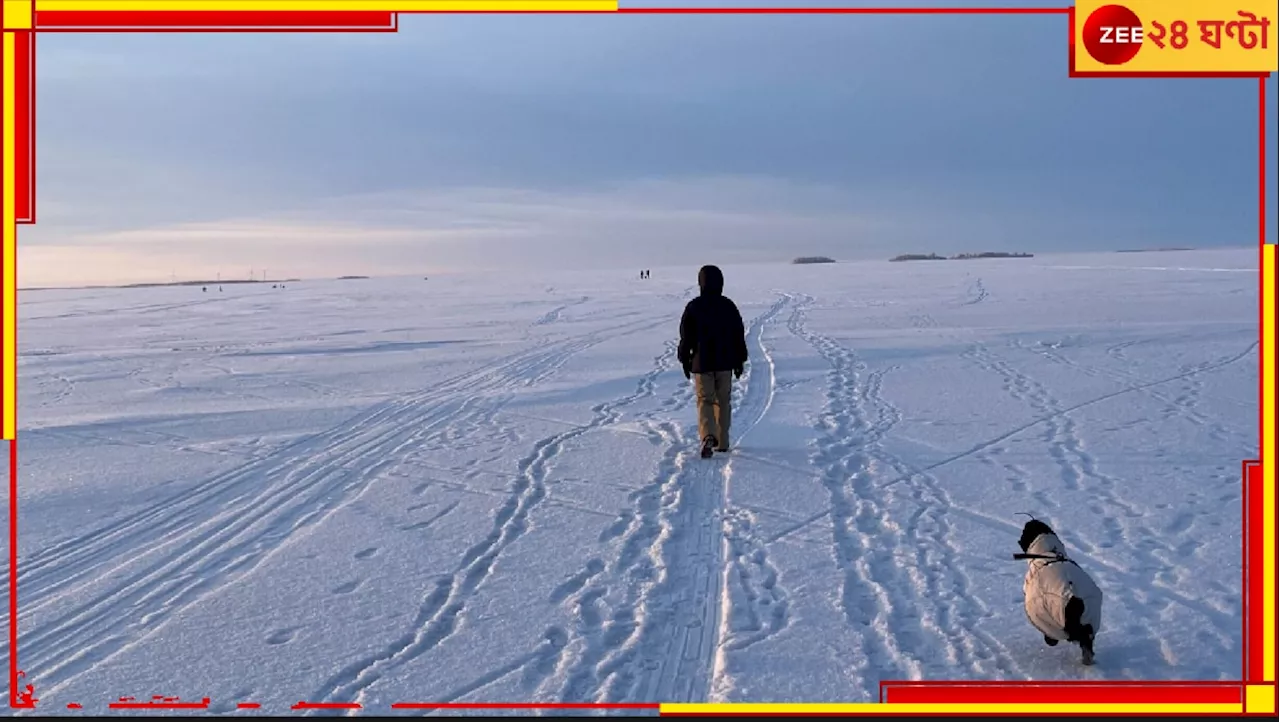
{"points": [[485, 489]]}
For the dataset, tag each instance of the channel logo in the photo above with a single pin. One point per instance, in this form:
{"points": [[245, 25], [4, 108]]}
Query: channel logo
{"points": [[1113, 34], [1175, 37]]}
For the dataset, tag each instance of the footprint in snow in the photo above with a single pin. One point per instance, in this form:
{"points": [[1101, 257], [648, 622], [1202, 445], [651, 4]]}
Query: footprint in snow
{"points": [[348, 587]]}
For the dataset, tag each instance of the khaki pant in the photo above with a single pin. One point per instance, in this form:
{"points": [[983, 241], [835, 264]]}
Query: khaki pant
{"points": [[714, 391]]}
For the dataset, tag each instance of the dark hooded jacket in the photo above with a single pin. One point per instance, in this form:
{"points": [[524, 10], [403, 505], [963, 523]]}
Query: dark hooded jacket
{"points": [[712, 336]]}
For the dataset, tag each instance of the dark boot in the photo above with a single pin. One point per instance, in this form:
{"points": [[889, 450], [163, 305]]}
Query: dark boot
{"points": [[1050, 641], [708, 447]]}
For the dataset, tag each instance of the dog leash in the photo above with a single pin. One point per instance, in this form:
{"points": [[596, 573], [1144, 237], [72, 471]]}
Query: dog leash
{"points": [[1050, 557]]}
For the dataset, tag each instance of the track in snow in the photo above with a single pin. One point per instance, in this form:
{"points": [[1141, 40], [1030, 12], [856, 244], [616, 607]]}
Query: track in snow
{"points": [[132, 575]]}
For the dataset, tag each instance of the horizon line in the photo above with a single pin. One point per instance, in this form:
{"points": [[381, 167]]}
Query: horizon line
{"points": [[957, 256]]}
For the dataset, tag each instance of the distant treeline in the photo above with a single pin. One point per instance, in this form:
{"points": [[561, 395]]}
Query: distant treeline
{"points": [[989, 254], [958, 257], [226, 282], [814, 259]]}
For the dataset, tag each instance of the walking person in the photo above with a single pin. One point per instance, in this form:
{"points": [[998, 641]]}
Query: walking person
{"points": [[713, 352]]}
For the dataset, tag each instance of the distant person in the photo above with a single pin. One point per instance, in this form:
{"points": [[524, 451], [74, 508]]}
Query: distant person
{"points": [[713, 345], [204, 289]]}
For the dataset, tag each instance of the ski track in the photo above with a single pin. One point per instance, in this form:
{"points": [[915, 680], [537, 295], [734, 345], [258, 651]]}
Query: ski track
{"points": [[1122, 524], [875, 599], [1224, 621], [958, 611], [556, 313], [907, 610], [541, 664], [593, 589], [646, 626], [1183, 404], [578, 592], [443, 605], [754, 604], [200, 539], [142, 309]]}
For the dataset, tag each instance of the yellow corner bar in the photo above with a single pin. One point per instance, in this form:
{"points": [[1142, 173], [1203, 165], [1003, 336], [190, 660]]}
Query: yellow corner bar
{"points": [[1269, 373], [405, 6], [880, 708], [8, 217], [18, 14], [1260, 699]]}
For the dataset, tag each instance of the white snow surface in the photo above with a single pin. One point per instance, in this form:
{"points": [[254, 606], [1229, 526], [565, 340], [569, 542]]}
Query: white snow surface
{"points": [[486, 489]]}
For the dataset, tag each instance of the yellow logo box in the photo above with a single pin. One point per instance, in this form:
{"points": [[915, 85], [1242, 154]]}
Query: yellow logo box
{"points": [[1176, 36]]}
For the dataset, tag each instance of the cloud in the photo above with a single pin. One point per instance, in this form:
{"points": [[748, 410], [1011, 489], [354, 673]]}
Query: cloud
{"points": [[241, 235], [471, 140], [650, 222]]}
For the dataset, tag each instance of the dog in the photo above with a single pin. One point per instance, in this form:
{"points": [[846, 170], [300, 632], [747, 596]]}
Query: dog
{"points": [[1061, 599]]}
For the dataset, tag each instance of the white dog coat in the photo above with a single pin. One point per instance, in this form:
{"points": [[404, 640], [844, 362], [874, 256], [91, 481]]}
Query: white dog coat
{"points": [[1050, 583]]}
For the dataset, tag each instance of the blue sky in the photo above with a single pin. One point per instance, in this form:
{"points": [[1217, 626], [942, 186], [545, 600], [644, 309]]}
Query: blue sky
{"points": [[468, 141]]}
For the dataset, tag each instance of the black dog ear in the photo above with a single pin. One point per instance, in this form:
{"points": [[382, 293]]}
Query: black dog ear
{"points": [[1030, 531]]}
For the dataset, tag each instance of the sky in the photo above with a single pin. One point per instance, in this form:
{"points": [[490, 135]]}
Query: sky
{"points": [[475, 142]]}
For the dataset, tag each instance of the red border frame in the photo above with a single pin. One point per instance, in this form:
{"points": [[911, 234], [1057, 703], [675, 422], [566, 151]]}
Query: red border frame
{"points": [[900, 691], [25, 115], [150, 21]]}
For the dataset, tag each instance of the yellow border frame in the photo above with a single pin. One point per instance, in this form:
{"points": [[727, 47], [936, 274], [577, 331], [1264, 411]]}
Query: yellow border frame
{"points": [[18, 15], [9, 234]]}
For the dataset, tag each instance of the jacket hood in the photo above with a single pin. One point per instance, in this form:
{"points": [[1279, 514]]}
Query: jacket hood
{"points": [[710, 281]]}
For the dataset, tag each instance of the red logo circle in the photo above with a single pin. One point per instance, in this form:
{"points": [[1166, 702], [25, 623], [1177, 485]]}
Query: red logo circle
{"points": [[1113, 34]]}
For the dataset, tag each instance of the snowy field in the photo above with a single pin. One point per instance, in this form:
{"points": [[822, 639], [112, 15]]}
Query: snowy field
{"points": [[486, 488]]}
